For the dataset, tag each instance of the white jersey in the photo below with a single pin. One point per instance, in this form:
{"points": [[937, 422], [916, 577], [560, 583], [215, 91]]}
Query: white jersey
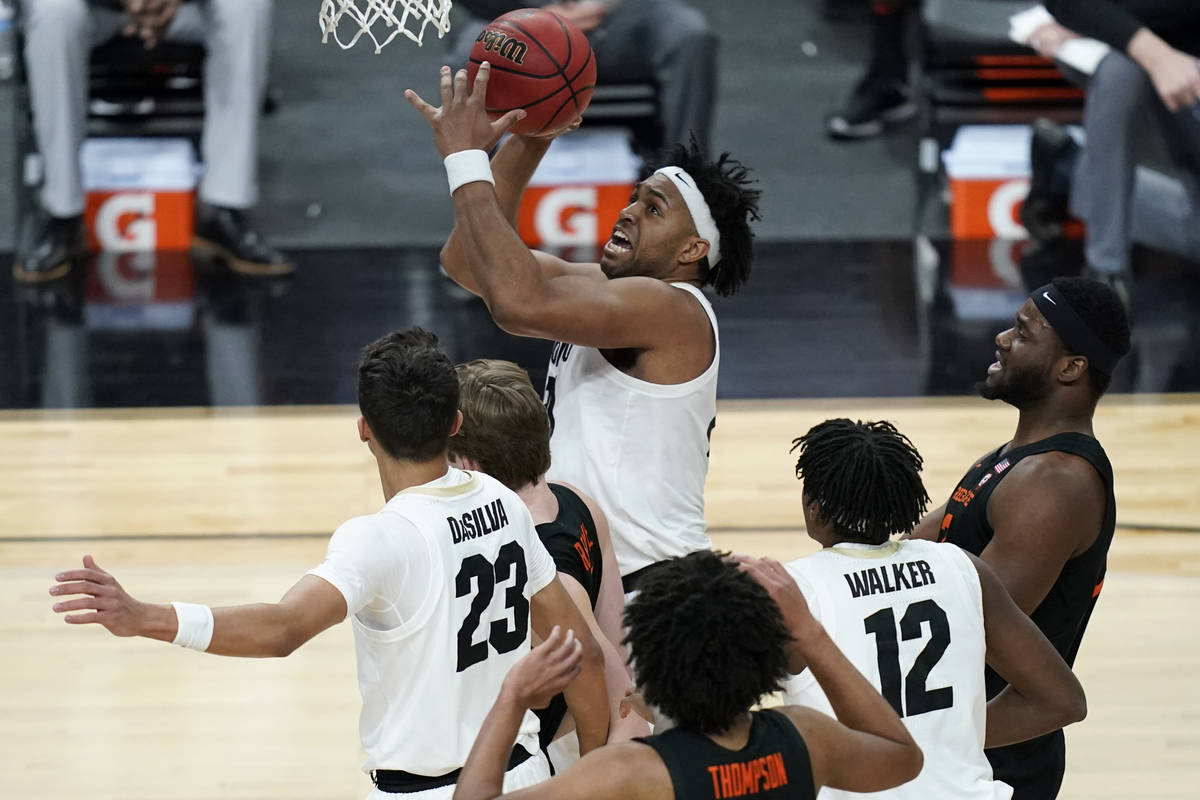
{"points": [[438, 585], [909, 615], [640, 449]]}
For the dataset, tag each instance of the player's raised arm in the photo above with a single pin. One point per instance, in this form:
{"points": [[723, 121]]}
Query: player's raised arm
{"points": [[254, 630], [629, 771]]}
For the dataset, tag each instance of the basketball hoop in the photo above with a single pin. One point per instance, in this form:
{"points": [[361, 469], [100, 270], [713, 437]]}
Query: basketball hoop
{"points": [[389, 17]]}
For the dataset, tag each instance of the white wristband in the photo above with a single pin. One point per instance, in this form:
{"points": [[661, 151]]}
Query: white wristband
{"points": [[195, 626], [467, 166]]}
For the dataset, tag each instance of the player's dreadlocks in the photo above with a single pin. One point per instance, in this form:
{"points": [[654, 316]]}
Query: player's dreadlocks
{"points": [[865, 476], [706, 641]]}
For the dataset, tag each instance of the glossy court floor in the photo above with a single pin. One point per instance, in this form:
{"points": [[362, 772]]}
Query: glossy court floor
{"points": [[195, 433]]}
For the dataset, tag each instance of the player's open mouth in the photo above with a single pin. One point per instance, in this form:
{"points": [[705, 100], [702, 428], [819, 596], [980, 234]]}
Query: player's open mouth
{"points": [[618, 243], [995, 366]]}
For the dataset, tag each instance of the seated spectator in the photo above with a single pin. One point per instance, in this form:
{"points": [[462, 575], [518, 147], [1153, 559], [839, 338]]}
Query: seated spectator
{"points": [[59, 35], [1148, 83], [666, 42]]}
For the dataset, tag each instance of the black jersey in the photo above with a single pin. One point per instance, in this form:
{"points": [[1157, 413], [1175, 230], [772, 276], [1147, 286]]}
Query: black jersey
{"points": [[571, 540], [773, 764], [1035, 768]]}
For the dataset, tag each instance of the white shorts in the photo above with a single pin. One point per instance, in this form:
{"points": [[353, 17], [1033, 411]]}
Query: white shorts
{"points": [[533, 770]]}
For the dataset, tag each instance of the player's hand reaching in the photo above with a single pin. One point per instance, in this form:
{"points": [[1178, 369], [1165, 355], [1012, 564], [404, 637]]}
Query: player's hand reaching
{"points": [[545, 671], [462, 121], [774, 577], [111, 606]]}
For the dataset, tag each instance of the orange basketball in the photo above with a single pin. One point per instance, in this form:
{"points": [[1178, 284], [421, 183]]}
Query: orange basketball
{"points": [[541, 63]]}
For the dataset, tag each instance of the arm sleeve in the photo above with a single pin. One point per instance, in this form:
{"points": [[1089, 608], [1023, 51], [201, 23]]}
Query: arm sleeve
{"points": [[1105, 20]]}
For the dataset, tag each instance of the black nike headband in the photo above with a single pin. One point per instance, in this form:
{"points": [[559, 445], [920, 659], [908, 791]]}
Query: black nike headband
{"points": [[1070, 327]]}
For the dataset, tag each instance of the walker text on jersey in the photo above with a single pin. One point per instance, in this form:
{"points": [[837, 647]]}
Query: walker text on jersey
{"points": [[889, 578]]}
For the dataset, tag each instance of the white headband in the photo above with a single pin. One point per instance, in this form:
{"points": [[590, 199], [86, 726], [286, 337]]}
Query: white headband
{"points": [[698, 208]]}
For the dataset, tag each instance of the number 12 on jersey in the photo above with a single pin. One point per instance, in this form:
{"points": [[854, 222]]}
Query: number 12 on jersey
{"points": [[482, 575], [908, 695]]}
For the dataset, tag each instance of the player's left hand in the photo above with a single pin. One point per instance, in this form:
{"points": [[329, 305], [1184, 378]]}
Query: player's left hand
{"points": [[545, 671], [111, 605], [462, 121]]}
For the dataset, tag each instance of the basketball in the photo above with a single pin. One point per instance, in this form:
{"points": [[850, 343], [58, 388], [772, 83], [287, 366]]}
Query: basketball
{"points": [[541, 63]]}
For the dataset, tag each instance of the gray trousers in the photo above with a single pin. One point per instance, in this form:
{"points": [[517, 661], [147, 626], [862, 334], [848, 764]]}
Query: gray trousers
{"points": [[236, 34], [1114, 190], [666, 42]]}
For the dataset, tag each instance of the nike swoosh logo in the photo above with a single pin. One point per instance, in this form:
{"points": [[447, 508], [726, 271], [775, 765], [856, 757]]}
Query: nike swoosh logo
{"points": [[1048, 297]]}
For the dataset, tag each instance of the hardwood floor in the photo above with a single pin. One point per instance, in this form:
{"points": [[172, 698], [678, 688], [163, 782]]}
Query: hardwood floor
{"points": [[233, 506]]}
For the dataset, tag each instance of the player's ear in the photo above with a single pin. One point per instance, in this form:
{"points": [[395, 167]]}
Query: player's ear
{"points": [[695, 250], [1074, 369], [364, 430], [457, 425]]}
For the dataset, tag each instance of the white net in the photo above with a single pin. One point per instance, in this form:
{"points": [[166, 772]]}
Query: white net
{"points": [[382, 20]]}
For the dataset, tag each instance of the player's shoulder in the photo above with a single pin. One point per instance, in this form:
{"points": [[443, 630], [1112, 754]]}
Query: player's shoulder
{"points": [[1057, 473]]}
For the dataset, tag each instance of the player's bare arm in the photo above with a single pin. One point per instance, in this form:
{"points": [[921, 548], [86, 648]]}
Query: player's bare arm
{"points": [[1048, 510], [867, 730], [587, 698], [615, 675], [1043, 694], [575, 306], [929, 525], [254, 630], [513, 166], [610, 606], [626, 770]]}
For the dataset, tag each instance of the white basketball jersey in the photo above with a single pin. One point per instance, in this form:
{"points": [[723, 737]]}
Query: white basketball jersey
{"points": [[428, 683], [640, 449], [909, 615]]}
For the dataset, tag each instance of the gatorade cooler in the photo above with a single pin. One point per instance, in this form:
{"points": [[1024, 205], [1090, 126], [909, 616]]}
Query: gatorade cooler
{"points": [[988, 169], [140, 194], [584, 180]]}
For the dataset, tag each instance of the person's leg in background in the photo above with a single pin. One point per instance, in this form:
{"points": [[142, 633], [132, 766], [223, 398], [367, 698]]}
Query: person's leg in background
{"points": [[883, 96], [59, 34], [1118, 117], [237, 37], [671, 44]]}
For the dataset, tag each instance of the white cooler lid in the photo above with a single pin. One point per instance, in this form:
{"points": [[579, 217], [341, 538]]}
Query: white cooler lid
{"points": [[157, 164]]}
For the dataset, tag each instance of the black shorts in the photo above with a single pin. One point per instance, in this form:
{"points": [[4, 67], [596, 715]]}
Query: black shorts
{"points": [[1034, 769]]}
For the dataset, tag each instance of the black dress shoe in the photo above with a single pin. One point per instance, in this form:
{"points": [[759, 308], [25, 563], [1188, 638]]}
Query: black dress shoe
{"points": [[224, 232], [59, 243], [1052, 157]]}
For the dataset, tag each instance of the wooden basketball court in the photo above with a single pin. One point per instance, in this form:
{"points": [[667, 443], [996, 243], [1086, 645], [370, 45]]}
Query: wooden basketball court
{"points": [[227, 507]]}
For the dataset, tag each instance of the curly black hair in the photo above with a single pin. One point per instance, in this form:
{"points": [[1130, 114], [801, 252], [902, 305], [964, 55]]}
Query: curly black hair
{"points": [[706, 641], [866, 477], [1101, 309], [725, 184], [408, 394]]}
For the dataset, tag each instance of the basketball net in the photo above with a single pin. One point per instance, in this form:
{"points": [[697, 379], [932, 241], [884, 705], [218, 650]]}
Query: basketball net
{"points": [[389, 18]]}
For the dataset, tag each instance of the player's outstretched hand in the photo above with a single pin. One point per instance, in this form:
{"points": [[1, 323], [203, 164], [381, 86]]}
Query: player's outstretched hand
{"points": [[545, 671], [462, 121], [110, 605]]}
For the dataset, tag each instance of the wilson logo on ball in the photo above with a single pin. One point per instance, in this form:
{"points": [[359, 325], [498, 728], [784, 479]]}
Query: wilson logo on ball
{"points": [[503, 45]]}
